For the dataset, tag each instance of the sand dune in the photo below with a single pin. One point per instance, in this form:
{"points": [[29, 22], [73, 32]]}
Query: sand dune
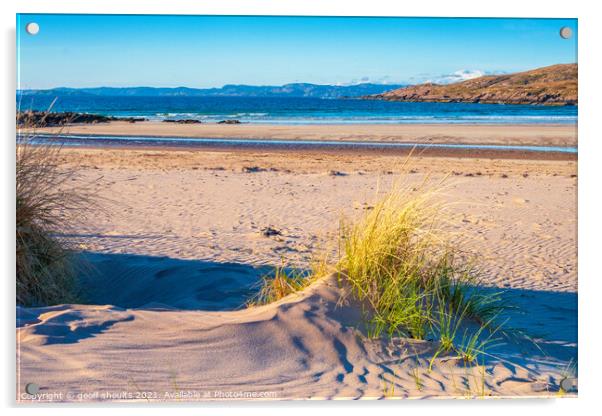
{"points": [[308, 345], [179, 246]]}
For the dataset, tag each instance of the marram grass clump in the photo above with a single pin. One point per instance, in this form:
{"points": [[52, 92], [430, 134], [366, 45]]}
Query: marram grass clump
{"points": [[399, 262], [47, 204]]}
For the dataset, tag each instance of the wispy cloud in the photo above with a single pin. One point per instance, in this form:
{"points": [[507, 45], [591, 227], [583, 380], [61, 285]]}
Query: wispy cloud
{"points": [[457, 76], [461, 75], [385, 79], [421, 78]]}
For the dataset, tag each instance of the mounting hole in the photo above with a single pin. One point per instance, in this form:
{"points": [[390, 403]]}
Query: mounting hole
{"points": [[32, 388], [566, 32], [32, 28]]}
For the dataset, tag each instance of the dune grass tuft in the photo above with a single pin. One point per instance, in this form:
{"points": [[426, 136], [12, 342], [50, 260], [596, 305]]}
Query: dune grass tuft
{"points": [[47, 204], [399, 262]]}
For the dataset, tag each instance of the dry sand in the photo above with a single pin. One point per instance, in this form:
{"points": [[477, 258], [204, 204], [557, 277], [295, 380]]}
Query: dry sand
{"points": [[178, 246]]}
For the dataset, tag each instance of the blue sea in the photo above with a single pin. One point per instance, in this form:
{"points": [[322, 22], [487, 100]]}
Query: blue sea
{"points": [[289, 110]]}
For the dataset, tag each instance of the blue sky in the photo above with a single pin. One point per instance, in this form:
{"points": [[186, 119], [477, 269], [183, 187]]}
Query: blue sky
{"points": [[210, 51]]}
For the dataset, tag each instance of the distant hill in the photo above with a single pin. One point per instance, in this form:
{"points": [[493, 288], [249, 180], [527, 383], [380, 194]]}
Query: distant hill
{"points": [[551, 85], [288, 90]]}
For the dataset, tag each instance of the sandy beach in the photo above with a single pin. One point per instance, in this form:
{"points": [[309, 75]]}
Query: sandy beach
{"points": [[177, 247], [526, 134]]}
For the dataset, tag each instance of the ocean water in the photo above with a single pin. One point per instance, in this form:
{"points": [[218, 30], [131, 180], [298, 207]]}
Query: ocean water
{"points": [[286, 110]]}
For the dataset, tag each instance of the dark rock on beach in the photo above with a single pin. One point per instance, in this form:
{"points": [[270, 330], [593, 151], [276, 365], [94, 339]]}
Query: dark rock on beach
{"points": [[184, 121], [45, 119], [269, 232], [253, 169], [229, 122]]}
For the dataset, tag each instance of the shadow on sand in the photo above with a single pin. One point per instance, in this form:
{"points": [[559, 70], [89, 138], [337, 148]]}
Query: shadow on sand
{"points": [[134, 281], [161, 283]]}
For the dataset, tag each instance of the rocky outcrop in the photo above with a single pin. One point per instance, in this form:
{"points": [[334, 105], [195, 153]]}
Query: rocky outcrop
{"points": [[552, 85], [184, 121], [45, 119]]}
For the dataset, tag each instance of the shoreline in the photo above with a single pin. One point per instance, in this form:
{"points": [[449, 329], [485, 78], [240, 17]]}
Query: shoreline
{"points": [[474, 134]]}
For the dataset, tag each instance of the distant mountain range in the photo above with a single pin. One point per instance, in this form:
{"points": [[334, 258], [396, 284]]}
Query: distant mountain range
{"points": [[288, 90], [551, 85]]}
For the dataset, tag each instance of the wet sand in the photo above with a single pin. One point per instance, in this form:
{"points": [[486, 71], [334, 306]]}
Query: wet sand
{"points": [[526, 134]]}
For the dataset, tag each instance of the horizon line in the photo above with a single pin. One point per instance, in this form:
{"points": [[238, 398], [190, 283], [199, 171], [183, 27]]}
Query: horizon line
{"points": [[224, 85], [397, 83]]}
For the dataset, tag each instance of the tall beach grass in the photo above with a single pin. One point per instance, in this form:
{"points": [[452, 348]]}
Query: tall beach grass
{"points": [[48, 203], [399, 260], [400, 263]]}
